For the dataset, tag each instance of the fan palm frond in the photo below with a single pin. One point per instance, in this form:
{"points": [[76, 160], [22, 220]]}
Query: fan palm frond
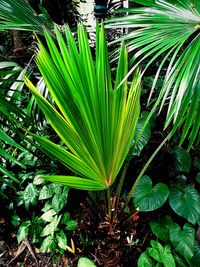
{"points": [[19, 15], [95, 117], [168, 31]]}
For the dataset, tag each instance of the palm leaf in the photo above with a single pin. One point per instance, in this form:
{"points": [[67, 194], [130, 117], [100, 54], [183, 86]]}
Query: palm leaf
{"points": [[168, 31], [95, 118], [19, 15]]}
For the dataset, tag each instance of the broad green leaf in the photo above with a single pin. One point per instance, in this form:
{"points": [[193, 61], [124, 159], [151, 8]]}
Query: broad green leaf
{"points": [[161, 228], [23, 231], [15, 220], [181, 159], [85, 262], [148, 198], [167, 257], [71, 225], [62, 240], [155, 252], [50, 228], [183, 240], [48, 245], [144, 260], [58, 202], [30, 195], [185, 202], [65, 218], [46, 192], [195, 261], [48, 215]]}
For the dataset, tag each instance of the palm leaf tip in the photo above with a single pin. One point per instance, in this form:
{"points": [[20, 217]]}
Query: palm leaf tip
{"points": [[95, 117]]}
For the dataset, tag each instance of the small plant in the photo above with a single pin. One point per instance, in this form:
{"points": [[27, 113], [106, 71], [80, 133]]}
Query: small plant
{"points": [[157, 255], [185, 247], [51, 228]]}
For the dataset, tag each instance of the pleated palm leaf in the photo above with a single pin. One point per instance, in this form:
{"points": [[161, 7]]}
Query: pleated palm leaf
{"points": [[95, 118], [19, 15], [169, 31]]}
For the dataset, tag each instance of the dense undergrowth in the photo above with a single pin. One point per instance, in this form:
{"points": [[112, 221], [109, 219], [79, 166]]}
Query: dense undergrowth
{"points": [[136, 199]]}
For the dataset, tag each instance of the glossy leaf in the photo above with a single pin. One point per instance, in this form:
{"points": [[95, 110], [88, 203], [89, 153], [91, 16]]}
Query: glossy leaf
{"points": [[196, 258], [145, 261], [181, 159], [48, 215], [95, 118], [48, 245], [46, 192], [71, 225], [23, 231], [148, 198], [185, 202], [161, 228], [183, 240]]}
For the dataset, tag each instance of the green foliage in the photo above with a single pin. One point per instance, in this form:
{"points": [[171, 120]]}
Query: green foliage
{"points": [[168, 32], [85, 262], [185, 202], [181, 159], [161, 228], [145, 136], [50, 228], [18, 15], [150, 198], [157, 254], [93, 110], [183, 240]]}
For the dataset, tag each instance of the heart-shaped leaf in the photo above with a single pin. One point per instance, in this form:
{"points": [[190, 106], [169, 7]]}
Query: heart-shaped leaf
{"points": [[148, 198], [185, 202], [181, 159], [183, 240], [161, 228]]}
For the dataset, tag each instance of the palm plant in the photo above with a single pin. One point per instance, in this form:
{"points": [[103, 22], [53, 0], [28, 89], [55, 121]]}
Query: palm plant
{"points": [[19, 15], [94, 117], [169, 31]]}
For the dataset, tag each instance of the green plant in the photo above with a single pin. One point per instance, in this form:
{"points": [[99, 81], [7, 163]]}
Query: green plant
{"points": [[157, 255], [85, 262], [49, 229], [185, 247], [19, 15], [168, 31], [97, 120]]}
